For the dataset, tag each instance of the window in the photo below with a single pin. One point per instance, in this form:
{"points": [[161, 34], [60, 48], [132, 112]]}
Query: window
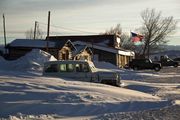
{"points": [[82, 68], [62, 68], [66, 68], [78, 68], [85, 68], [70, 67], [147, 61], [51, 68]]}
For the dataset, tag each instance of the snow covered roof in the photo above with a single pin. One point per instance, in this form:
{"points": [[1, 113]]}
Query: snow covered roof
{"points": [[86, 38], [38, 43], [108, 49]]}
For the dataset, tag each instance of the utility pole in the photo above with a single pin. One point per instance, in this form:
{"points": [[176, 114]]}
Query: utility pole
{"points": [[4, 26], [35, 26], [48, 27]]}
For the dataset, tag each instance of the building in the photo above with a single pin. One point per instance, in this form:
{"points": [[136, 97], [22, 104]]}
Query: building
{"points": [[118, 57], [92, 47], [59, 49], [104, 47]]}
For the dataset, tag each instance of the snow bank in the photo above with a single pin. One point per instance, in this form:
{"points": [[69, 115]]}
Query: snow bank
{"points": [[125, 73], [32, 61], [2, 59]]}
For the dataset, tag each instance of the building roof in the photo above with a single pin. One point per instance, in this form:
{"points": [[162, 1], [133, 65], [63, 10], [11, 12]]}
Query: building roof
{"points": [[108, 49], [106, 40], [39, 43]]}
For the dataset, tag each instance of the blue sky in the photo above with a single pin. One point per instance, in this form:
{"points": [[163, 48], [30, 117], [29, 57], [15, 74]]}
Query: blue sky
{"points": [[74, 17]]}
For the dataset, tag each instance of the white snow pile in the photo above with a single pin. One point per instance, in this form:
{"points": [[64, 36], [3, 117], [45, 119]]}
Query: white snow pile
{"points": [[32, 61], [125, 73]]}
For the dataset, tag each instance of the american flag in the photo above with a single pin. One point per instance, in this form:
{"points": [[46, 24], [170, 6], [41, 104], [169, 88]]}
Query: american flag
{"points": [[136, 37]]}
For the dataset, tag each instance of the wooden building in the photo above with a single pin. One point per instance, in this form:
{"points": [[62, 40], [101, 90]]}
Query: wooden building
{"points": [[116, 56], [61, 50], [92, 47], [104, 47]]}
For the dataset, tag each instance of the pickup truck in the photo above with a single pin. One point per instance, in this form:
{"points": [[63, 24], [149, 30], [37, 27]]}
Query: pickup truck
{"points": [[138, 64], [166, 61], [177, 59]]}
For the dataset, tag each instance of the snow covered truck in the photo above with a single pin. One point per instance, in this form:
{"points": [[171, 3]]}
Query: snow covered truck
{"points": [[81, 70]]}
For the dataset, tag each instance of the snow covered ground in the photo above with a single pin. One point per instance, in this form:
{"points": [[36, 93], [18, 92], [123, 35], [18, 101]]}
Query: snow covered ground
{"points": [[26, 94]]}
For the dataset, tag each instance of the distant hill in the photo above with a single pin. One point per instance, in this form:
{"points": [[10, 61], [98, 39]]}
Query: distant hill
{"points": [[172, 47], [170, 53], [170, 50]]}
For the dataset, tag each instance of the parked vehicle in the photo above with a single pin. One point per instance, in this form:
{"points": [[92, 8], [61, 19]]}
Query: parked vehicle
{"points": [[177, 59], [166, 61], [81, 70], [138, 64]]}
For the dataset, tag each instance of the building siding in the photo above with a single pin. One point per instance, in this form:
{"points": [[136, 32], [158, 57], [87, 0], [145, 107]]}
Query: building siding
{"points": [[105, 56]]}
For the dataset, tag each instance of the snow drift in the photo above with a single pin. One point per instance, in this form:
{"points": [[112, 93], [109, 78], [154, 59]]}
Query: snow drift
{"points": [[32, 61]]}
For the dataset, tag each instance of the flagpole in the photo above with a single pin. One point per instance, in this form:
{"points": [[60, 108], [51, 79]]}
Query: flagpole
{"points": [[148, 49], [135, 37]]}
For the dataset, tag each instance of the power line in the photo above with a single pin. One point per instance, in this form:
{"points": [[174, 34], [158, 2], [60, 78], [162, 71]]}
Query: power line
{"points": [[23, 32], [14, 32], [53, 32], [70, 29]]}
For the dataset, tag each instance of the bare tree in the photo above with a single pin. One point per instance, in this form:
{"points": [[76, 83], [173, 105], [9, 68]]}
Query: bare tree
{"points": [[114, 30], [30, 33], [126, 42], [118, 30], [155, 29]]}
